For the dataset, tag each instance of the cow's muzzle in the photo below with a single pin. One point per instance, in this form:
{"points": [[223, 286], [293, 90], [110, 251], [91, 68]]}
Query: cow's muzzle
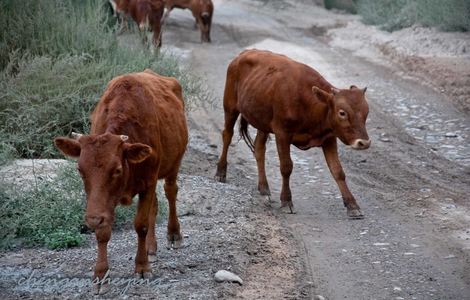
{"points": [[360, 144]]}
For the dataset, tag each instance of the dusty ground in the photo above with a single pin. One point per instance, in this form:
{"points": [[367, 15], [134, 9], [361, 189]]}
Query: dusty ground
{"points": [[413, 184]]}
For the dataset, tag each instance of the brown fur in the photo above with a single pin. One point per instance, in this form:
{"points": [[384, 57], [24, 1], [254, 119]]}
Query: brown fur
{"points": [[149, 109], [202, 11], [144, 12], [277, 95]]}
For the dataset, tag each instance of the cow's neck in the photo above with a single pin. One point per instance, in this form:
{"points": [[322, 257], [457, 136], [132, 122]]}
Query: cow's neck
{"points": [[318, 126]]}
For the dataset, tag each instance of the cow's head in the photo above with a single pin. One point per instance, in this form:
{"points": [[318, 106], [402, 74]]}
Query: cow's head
{"points": [[103, 163], [347, 115]]}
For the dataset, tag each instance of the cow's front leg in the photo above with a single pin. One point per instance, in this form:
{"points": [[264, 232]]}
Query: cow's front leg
{"points": [[330, 150], [283, 141], [141, 225], [174, 237], [100, 281], [151, 241]]}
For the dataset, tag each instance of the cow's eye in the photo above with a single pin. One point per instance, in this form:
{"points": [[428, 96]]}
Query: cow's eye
{"points": [[342, 114]]}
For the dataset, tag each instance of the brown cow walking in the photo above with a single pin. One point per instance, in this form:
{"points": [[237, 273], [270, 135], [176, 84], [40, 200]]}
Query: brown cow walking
{"points": [[278, 95], [146, 13], [138, 135], [202, 11]]}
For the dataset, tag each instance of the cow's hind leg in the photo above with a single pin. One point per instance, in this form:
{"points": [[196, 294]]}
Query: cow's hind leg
{"points": [[283, 141], [141, 225], [174, 236], [330, 150], [227, 134], [260, 150]]}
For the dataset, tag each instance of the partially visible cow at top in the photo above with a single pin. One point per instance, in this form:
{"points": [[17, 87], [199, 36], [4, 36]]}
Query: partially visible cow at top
{"points": [[138, 135], [119, 14], [278, 95], [146, 13], [202, 10]]}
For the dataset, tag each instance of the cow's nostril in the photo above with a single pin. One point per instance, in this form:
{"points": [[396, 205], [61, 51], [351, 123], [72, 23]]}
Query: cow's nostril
{"points": [[361, 144]]}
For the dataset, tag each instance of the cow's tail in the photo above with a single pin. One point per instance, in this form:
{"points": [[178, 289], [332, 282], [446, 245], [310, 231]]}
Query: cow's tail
{"points": [[245, 134], [206, 18]]}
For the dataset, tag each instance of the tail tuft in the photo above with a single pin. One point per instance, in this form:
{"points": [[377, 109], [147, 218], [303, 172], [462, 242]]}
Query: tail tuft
{"points": [[245, 134]]}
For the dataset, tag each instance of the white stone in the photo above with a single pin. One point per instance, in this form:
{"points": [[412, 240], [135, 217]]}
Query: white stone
{"points": [[224, 275]]}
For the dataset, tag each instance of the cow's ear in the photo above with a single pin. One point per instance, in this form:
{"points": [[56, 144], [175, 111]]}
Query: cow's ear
{"points": [[364, 90], [69, 147], [322, 95], [137, 152]]}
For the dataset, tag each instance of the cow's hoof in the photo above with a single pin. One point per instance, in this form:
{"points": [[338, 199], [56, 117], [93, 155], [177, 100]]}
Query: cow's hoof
{"points": [[175, 241], [152, 257], [101, 289], [220, 178], [288, 207], [143, 275], [264, 191], [355, 214]]}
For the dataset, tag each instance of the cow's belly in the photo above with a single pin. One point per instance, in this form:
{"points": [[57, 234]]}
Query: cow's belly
{"points": [[258, 123], [256, 109]]}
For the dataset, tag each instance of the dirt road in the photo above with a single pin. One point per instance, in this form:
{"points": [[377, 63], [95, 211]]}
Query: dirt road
{"points": [[413, 184]]}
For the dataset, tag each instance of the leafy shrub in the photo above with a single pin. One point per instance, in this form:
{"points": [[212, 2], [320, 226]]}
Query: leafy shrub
{"points": [[51, 211], [346, 5], [451, 15], [54, 28]]}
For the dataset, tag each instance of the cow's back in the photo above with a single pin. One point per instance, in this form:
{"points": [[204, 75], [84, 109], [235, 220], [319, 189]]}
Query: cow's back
{"points": [[275, 87], [275, 72], [149, 109]]}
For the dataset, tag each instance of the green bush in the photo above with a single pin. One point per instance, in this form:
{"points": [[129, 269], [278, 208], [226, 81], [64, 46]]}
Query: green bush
{"points": [[53, 27], [346, 5], [451, 15], [50, 212], [391, 15]]}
